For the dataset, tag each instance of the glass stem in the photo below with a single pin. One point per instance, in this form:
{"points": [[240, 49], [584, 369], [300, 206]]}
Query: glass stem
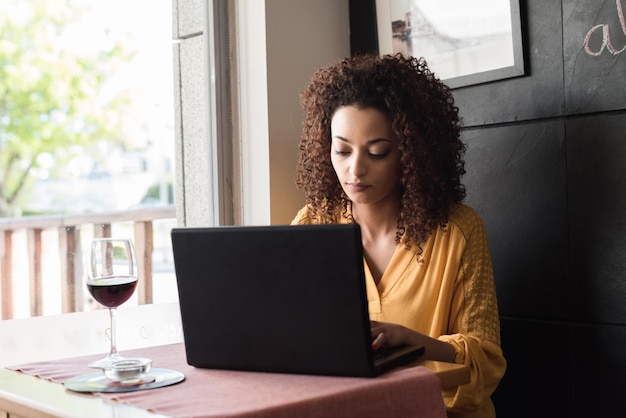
{"points": [[113, 352]]}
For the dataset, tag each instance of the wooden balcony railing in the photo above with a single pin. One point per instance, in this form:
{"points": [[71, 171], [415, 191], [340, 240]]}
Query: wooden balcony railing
{"points": [[71, 232]]}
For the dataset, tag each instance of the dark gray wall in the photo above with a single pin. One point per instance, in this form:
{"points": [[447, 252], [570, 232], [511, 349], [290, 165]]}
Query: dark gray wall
{"points": [[546, 170]]}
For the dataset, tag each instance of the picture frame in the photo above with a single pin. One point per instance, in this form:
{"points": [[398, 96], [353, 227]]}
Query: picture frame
{"points": [[464, 43]]}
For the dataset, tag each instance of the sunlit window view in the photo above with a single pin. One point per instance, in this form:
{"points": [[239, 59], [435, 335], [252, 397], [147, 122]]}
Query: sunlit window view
{"points": [[86, 127], [86, 122]]}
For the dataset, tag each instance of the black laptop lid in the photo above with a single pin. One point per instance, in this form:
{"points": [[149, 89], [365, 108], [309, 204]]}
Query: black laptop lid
{"points": [[274, 298]]}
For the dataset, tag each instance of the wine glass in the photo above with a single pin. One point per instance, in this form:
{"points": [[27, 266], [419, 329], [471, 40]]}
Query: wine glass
{"points": [[111, 280]]}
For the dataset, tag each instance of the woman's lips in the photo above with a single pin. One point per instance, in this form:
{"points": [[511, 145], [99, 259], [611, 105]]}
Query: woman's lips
{"points": [[358, 187]]}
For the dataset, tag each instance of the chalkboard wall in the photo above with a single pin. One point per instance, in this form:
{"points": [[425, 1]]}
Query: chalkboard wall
{"points": [[546, 165]]}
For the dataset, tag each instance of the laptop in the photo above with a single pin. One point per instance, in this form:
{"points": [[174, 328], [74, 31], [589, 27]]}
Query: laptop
{"points": [[281, 298]]}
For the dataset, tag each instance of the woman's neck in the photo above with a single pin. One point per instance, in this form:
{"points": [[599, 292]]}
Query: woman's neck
{"points": [[379, 225], [376, 220]]}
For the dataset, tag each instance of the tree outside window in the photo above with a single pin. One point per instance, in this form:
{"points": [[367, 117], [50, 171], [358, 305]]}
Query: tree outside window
{"points": [[86, 112]]}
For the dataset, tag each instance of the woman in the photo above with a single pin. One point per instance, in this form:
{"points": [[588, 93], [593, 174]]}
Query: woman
{"points": [[381, 148]]}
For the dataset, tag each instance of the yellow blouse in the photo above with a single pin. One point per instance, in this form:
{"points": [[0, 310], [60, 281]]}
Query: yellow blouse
{"points": [[448, 293]]}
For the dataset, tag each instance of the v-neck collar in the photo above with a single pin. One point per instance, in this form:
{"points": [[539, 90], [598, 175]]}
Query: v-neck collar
{"points": [[399, 262]]}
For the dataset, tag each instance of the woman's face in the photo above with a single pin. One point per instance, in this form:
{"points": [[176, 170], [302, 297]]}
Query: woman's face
{"points": [[364, 153]]}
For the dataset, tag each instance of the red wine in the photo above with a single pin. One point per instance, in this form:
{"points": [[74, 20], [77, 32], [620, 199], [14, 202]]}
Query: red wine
{"points": [[112, 292]]}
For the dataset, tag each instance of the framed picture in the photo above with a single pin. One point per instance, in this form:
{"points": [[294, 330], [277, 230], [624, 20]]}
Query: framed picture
{"points": [[464, 42]]}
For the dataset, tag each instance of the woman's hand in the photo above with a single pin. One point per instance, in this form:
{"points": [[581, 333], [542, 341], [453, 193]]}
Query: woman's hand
{"points": [[391, 335], [387, 334]]}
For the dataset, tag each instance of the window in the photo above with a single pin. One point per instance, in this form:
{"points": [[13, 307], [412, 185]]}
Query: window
{"points": [[88, 117], [86, 123]]}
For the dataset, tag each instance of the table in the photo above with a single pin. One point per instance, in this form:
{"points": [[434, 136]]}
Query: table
{"points": [[27, 396], [24, 395]]}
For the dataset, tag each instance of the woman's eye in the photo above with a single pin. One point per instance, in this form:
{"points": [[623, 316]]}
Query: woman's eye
{"points": [[341, 152], [379, 155]]}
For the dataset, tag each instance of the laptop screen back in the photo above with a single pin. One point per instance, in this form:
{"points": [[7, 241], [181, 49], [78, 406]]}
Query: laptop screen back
{"points": [[274, 298]]}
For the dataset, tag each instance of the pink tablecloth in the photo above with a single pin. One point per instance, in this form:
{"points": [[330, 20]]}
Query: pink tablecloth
{"points": [[407, 392]]}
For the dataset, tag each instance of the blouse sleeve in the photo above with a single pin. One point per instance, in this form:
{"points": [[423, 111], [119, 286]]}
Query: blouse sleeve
{"points": [[302, 217], [474, 322]]}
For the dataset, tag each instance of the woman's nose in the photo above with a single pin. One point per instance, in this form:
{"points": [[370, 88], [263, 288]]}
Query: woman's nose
{"points": [[358, 165]]}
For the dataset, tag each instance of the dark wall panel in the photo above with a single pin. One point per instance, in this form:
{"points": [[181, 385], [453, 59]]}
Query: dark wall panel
{"points": [[599, 367], [559, 369], [537, 381], [596, 154], [539, 94], [516, 181], [594, 82]]}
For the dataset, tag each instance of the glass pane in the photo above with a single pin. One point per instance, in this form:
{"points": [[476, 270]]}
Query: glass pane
{"points": [[86, 126], [87, 120]]}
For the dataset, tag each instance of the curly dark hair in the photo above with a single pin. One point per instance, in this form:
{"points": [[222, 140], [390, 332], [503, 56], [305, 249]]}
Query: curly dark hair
{"points": [[424, 119]]}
